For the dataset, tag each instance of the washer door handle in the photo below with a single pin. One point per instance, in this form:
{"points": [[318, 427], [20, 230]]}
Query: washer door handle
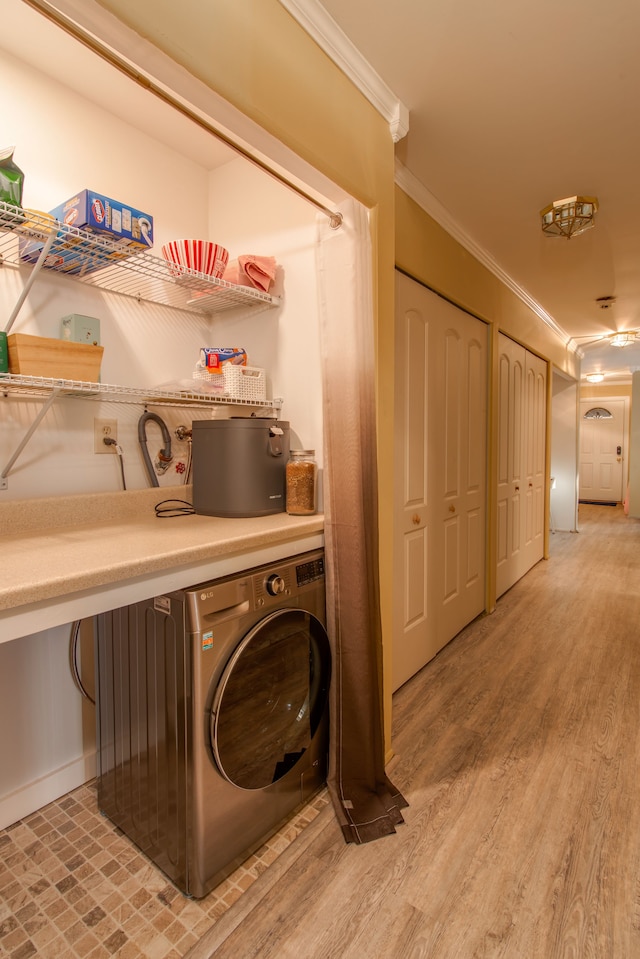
{"points": [[231, 612]]}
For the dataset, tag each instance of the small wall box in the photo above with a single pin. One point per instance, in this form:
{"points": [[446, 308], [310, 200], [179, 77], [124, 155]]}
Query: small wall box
{"points": [[57, 359], [80, 329]]}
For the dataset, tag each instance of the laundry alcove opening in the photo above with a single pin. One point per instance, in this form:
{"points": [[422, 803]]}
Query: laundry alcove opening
{"points": [[327, 281]]}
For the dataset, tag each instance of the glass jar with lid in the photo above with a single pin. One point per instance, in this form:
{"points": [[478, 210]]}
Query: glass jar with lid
{"points": [[301, 476]]}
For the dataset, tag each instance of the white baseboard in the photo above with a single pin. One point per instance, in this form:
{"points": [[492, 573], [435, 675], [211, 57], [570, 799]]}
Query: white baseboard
{"points": [[22, 802]]}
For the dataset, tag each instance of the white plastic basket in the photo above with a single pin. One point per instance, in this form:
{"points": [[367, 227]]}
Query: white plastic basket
{"points": [[211, 382], [244, 382]]}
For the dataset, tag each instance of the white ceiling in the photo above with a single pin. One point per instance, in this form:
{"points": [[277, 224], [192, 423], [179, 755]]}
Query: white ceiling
{"points": [[30, 37], [512, 106]]}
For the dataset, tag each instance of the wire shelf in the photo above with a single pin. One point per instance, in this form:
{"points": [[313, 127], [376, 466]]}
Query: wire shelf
{"points": [[105, 264], [42, 386]]}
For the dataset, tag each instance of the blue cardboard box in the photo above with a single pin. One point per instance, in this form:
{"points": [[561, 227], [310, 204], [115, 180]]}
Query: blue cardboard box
{"points": [[97, 213], [92, 212]]}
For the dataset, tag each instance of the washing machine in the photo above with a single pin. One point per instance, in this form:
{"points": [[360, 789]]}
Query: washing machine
{"points": [[212, 712]]}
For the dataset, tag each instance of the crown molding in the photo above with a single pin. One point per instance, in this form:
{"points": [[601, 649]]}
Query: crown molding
{"points": [[416, 190], [322, 28]]}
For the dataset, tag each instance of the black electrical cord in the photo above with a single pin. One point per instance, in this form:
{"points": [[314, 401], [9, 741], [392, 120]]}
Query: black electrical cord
{"points": [[73, 660], [180, 507], [119, 452], [187, 473], [109, 441]]}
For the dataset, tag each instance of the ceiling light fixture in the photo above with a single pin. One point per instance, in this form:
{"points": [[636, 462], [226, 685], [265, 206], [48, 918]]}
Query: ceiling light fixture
{"points": [[623, 339], [595, 377], [569, 217]]}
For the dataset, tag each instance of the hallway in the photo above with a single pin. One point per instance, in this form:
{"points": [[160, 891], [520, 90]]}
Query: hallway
{"points": [[517, 748]]}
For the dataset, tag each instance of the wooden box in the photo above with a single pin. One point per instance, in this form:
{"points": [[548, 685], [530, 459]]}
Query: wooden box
{"points": [[58, 359]]}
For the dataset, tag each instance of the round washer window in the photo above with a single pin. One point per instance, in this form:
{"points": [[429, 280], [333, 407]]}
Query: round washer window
{"points": [[271, 698]]}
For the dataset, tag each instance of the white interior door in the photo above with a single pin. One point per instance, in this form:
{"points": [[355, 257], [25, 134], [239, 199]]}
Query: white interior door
{"points": [[602, 452], [440, 452], [458, 468], [511, 367], [534, 460], [522, 403], [413, 643]]}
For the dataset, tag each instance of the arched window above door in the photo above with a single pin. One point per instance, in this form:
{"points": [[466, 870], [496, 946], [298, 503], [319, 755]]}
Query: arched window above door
{"points": [[598, 413]]}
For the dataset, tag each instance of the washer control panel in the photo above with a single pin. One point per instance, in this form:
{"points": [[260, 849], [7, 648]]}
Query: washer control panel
{"points": [[310, 572], [261, 588], [283, 581]]}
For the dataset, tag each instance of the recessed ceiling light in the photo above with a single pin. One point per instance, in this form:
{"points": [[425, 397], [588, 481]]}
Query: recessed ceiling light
{"points": [[595, 377]]}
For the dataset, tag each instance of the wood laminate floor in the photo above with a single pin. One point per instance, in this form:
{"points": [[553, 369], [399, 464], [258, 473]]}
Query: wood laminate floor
{"points": [[518, 750]]}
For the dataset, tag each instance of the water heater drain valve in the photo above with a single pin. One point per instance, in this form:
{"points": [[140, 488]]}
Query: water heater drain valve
{"points": [[161, 463]]}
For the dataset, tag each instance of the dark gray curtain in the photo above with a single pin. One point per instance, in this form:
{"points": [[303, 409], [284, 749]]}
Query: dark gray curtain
{"points": [[366, 803]]}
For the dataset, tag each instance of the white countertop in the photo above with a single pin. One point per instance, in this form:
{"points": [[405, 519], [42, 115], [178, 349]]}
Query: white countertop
{"points": [[64, 558]]}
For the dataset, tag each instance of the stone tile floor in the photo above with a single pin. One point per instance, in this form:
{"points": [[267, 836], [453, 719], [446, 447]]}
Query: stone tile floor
{"points": [[73, 886]]}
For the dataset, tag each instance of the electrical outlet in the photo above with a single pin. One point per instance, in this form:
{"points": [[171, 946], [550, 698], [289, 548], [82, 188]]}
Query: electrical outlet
{"points": [[103, 430]]}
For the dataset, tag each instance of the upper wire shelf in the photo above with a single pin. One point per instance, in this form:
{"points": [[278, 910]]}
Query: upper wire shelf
{"points": [[102, 263], [42, 386]]}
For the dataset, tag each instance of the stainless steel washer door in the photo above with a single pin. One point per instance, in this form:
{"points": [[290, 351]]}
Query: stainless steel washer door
{"points": [[270, 698]]}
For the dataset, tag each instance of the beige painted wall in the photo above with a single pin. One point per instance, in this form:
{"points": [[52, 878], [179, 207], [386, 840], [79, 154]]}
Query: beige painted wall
{"points": [[601, 389], [427, 252]]}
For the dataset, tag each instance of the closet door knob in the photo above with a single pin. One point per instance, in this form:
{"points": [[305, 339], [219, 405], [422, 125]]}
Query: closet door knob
{"points": [[415, 519], [517, 489], [452, 508]]}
